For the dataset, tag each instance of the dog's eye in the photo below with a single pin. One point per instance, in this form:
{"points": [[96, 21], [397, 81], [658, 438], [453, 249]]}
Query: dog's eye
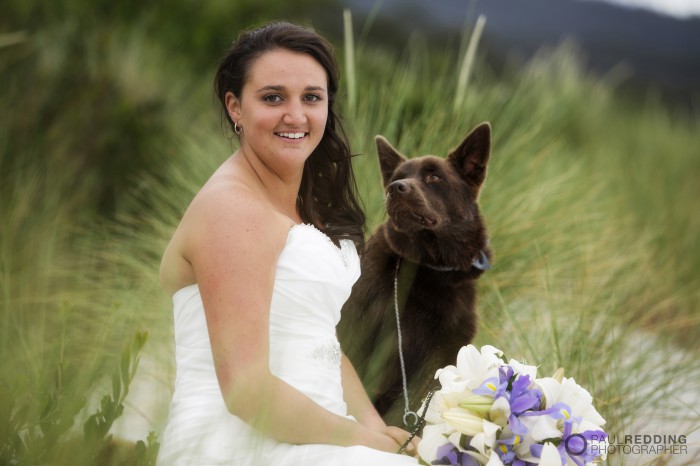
{"points": [[432, 178]]}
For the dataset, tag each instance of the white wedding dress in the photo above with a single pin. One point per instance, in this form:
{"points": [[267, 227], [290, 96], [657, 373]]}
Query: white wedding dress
{"points": [[312, 281]]}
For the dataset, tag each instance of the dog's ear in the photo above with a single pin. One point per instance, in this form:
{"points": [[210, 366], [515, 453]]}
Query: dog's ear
{"points": [[389, 158], [472, 155]]}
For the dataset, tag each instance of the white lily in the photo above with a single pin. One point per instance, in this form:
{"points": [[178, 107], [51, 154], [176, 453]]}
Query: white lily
{"points": [[463, 421], [522, 449], [442, 401], [494, 460], [542, 427], [450, 379], [434, 437], [523, 369], [550, 456], [485, 441], [576, 397], [474, 366], [432, 413], [500, 411]]}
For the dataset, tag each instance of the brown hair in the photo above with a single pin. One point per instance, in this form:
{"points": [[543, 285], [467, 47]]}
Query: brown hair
{"points": [[328, 195]]}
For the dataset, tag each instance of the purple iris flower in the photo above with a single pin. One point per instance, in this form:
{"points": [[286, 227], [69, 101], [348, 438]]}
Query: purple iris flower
{"points": [[516, 389], [492, 387], [507, 455], [450, 455], [522, 399], [579, 447]]}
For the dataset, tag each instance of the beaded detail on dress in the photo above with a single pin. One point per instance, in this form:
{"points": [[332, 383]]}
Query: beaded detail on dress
{"points": [[327, 353], [345, 251]]}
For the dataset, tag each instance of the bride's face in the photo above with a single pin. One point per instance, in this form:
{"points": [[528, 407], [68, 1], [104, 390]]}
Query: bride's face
{"points": [[282, 109]]}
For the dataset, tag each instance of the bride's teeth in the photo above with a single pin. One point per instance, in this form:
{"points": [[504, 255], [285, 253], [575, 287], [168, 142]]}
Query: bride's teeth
{"points": [[292, 135]]}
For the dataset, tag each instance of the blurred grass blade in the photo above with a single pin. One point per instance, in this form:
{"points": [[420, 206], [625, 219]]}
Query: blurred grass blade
{"points": [[467, 63], [350, 63]]}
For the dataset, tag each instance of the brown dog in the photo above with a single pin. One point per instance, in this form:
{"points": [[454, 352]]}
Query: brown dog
{"points": [[436, 235]]}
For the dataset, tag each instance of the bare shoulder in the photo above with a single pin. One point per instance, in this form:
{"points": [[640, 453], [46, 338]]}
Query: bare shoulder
{"points": [[226, 224], [233, 210]]}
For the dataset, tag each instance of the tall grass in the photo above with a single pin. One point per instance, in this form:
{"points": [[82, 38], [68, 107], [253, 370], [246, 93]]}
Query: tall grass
{"points": [[589, 202], [590, 272]]}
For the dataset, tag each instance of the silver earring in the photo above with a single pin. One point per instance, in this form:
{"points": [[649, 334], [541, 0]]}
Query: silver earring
{"points": [[237, 129]]}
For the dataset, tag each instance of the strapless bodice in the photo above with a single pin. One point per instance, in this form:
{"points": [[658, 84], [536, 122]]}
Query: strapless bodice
{"points": [[313, 279]]}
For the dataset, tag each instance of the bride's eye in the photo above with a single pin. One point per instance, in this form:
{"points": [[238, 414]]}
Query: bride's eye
{"points": [[312, 98], [272, 98]]}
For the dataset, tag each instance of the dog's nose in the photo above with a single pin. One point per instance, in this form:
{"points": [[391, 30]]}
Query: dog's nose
{"points": [[399, 186]]}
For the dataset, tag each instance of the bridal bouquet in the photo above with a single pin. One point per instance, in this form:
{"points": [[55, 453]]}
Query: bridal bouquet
{"points": [[490, 411]]}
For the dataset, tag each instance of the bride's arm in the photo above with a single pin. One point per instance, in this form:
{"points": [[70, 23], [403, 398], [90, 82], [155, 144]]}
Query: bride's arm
{"points": [[362, 409], [233, 244], [359, 404]]}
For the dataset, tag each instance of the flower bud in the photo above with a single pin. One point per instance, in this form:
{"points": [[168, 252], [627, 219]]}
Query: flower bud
{"points": [[479, 404]]}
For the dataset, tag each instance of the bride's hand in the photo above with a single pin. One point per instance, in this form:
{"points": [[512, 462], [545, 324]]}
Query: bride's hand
{"points": [[382, 441], [400, 436]]}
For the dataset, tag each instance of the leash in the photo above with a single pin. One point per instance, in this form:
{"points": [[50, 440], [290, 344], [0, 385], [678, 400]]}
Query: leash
{"points": [[420, 420], [481, 262], [407, 410]]}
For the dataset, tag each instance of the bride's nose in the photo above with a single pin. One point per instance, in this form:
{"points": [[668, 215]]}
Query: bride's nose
{"points": [[294, 114]]}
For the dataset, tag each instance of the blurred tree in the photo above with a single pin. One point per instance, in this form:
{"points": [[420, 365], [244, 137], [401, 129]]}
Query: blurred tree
{"points": [[68, 101]]}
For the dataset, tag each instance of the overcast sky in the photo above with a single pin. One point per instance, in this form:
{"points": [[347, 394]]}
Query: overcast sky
{"points": [[677, 8]]}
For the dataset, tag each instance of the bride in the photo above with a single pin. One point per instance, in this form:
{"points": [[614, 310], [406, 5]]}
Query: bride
{"points": [[259, 268]]}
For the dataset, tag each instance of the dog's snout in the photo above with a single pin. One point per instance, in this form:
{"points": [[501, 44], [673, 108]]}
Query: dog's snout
{"points": [[399, 186]]}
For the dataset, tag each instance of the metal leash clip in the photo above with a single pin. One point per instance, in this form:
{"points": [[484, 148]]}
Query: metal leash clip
{"points": [[420, 420]]}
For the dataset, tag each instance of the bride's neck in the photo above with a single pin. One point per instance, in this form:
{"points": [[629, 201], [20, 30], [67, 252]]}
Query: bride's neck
{"points": [[281, 189]]}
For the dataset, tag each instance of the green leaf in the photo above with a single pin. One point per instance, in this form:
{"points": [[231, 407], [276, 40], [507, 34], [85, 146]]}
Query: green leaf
{"points": [[140, 339], [140, 448], [146, 453], [97, 426], [107, 404]]}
